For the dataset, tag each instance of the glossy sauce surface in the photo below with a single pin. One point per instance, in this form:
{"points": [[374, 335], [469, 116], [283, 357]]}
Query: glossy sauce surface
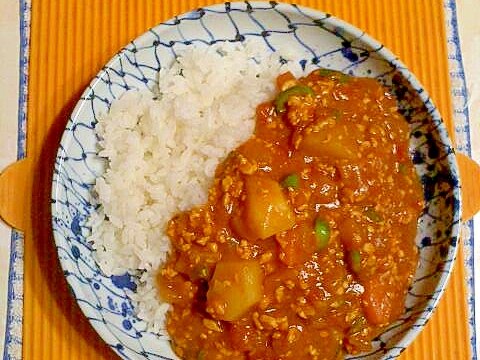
{"points": [[305, 249]]}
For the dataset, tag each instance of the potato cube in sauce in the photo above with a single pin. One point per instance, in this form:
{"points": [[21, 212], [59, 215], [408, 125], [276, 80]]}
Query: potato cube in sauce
{"points": [[236, 286], [267, 211]]}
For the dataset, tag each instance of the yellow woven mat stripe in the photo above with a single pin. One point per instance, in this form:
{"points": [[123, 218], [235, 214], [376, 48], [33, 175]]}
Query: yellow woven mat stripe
{"points": [[72, 40]]}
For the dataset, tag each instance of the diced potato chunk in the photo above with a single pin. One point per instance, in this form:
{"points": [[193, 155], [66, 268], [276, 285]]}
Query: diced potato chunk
{"points": [[236, 286], [330, 142], [267, 210]]}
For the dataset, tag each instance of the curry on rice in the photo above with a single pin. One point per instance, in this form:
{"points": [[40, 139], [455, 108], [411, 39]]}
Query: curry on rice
{"points": [[305, 249]]}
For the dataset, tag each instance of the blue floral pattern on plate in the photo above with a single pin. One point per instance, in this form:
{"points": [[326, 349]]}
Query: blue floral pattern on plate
{"points": [[323, 41]]}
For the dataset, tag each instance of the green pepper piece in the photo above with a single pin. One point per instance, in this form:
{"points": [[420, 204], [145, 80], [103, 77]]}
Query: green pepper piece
{"points": [[283, 96], [326, 72], [322, 233], [343, 78], [291, 181], [201, 272], [337, 114], [201, 355], [354, 260], [358, 324], [373, 215], [334, 74]]}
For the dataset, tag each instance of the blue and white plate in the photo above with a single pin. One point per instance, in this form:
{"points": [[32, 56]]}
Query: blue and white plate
{"points": [[324, 41]]}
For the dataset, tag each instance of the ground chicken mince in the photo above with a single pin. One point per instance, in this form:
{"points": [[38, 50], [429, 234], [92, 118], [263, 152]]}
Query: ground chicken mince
{"points": [[305, 248]]}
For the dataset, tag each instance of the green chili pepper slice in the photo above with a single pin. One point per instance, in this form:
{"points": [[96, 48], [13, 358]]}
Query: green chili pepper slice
{"points": [[354, 260], [282, 97], [291, 181], [322, 233]]}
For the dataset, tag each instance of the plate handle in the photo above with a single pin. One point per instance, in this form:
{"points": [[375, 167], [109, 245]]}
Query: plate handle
{"points": [[470, 181], [16, 194]]}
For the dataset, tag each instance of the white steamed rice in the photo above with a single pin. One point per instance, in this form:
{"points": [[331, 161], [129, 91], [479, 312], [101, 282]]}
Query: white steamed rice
{"points": [[162, 150]]}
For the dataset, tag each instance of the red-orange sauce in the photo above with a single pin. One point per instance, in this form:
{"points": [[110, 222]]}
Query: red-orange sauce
{"points": [[305, 249]]}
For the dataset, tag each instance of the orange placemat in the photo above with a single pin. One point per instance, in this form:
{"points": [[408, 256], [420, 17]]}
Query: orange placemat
{"points": [[71, 40]]}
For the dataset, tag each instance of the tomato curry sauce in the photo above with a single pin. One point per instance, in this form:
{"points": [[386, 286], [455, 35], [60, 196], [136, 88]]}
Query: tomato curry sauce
{"points": [[305, 249]]}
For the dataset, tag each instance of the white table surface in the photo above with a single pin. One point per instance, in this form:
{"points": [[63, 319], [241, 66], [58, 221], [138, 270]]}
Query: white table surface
{"points": [[9, 89], [468, 16]]}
